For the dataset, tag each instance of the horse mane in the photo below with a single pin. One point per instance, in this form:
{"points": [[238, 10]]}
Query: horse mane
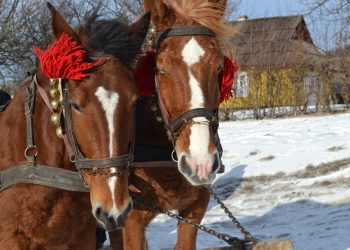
{"points": [[112, 37], [206, 14]]}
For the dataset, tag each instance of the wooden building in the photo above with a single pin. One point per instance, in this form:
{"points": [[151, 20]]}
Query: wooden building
{"points": [[279, 63]]}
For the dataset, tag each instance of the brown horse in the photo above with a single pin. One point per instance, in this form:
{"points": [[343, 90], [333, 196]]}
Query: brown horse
{"points": [[88, 73], [188, 62]]}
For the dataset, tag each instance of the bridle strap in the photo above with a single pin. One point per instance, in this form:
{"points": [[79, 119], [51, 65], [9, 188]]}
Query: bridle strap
{"points": [[29, 111], [182, 31], [44, 96], [190, 114], [118, 161], [161, 104]]}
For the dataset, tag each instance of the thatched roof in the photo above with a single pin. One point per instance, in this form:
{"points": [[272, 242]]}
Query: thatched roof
{"points": [[278, 40]]}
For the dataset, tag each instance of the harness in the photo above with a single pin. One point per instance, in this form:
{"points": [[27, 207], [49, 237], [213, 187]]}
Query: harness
{"points": [[34, 173]]}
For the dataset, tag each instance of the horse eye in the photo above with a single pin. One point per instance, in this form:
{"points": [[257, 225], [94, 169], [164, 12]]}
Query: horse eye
{"points": [[77, 108], [135, 103], [219, 69], [162, 71]]}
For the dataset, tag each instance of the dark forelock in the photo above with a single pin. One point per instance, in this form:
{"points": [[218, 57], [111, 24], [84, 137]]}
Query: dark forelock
{"points": [[112, 37]]}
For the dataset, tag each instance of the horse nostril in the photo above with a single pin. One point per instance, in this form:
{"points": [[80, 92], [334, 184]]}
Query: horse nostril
{"points": [[216, 163], [98, 212]]}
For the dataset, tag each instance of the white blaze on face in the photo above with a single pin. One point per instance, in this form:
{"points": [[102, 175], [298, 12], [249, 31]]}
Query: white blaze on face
{"points": [[109, 101], [199, 138]]}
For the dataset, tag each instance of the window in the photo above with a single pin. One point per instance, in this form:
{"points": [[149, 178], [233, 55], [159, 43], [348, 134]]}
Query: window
{"points": [[313, 87], [313, 83], [241, 85]]}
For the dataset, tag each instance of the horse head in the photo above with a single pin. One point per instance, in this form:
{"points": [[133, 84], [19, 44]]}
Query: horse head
{"points": [[91, 70], [189, 67]]}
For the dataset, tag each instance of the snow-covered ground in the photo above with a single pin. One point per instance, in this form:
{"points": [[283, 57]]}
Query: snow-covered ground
{"points": [[284, 178]]}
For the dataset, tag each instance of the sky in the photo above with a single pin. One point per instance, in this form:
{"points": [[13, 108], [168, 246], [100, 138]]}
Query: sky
{"points": [[286, 178], [262, 8]]}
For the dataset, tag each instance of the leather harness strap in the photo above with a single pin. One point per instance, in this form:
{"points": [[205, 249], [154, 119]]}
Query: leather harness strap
{"points": [[29, 110], [41, 175], [33, 173]]}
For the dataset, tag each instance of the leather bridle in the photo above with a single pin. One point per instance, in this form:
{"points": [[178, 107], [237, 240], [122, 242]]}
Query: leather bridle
{"points": [[88, 165], [175, 126], [34, 173]]}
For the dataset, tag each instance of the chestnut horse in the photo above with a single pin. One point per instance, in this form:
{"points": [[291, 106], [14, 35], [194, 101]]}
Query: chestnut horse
{"points": [[88, 73], [188, 84]]}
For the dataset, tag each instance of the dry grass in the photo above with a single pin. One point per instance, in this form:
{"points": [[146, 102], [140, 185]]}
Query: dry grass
{"points": [[255, 152], [268, 158], [336, 148]]}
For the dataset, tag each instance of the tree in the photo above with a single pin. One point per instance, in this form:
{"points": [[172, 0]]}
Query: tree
{"points": [[26, 23], [331, 10]]}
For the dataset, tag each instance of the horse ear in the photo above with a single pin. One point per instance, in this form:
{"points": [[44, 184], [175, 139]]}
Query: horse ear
{"points": [[59, 25], [157, 9], [141, 26]]}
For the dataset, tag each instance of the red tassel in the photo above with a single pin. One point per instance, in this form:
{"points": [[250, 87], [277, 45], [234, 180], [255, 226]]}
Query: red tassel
{"points": [[144, 75], [226, 78], [64, 59]]}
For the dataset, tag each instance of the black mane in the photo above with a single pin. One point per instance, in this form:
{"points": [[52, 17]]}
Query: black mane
{"points": [[112, 37]]}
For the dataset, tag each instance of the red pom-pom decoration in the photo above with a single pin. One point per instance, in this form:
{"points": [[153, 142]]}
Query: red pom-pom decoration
{"points": [[226, 78], [64, 59]]}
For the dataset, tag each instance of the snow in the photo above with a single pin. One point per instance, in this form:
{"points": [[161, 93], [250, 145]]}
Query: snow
{"points": [[284, 178]]}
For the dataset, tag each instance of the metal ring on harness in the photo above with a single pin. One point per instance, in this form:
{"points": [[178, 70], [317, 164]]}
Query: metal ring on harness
{"points": [[172, 156], [72, 158], [26, 151]]}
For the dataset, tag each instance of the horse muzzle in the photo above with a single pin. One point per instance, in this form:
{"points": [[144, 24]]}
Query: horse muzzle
{"points": [[199, 170], [113, 219]]}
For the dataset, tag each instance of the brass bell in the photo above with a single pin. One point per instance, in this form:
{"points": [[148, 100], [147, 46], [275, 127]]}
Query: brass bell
{"points": [[55, 104], [54, 93], [55, 118], [54, 81], [153, 31], [59, 132], [159, 119], [153, 106]]}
